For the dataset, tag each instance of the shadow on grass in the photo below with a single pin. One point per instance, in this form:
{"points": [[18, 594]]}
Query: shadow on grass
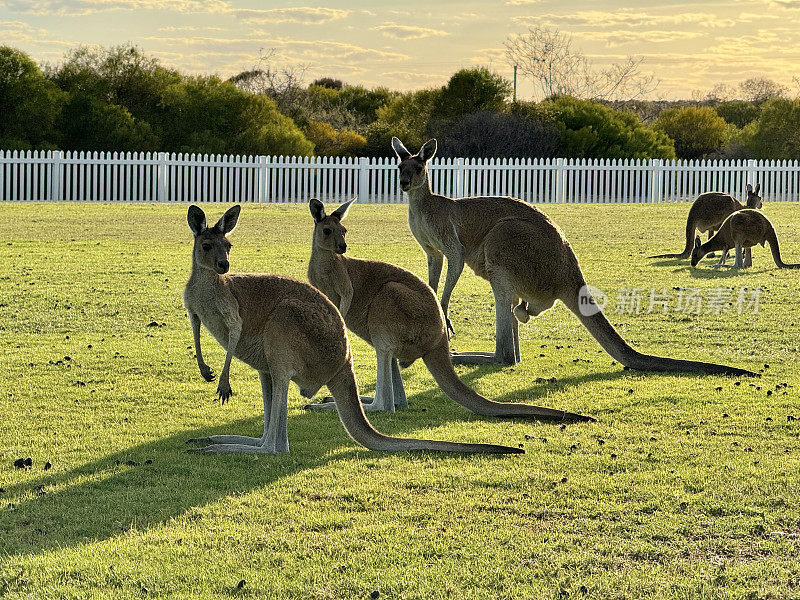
{"points": [[104, 498]]}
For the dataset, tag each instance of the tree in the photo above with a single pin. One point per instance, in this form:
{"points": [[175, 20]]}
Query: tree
{"points": [[29, 103], [776, 133], [592, 130], [761, 89], [88, 123], [547, 58], [329, 142], [696, 130], [328, 82], [738, 112], [469, 91], [407, 116], [222, 118]]}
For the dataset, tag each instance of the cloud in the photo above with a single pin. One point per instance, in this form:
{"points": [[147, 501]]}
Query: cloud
{"points": [[77, 8], [18, 32], [619, 38], [627, 17], [304, 15], [407, 32], [290, 50]]}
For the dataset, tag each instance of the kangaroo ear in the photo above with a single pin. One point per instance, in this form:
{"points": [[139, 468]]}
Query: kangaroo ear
{"points": [[697, 242], [228, 221], [196, 219], [399, 149], [428, 150], [341, 212], [317, 209], [758, 188], [749, 189]]}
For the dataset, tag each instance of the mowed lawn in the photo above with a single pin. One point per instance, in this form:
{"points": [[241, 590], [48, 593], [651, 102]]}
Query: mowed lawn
{"points": [[686, 487]]}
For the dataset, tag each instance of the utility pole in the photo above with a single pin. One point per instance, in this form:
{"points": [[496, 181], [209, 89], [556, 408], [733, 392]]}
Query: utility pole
{"points": [[515, 84]]}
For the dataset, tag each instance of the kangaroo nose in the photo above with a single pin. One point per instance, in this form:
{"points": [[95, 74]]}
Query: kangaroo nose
{"points": [[342, 248], [223, 266]]}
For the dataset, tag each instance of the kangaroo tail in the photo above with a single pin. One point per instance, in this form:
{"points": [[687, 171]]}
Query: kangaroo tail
{"points": [[687, 250], [344, 388], [772, 238], [613, 343], [441, 367]]}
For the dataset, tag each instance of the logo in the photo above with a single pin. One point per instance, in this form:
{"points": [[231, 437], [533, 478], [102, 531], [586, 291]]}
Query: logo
{"points": [[591, 300]]}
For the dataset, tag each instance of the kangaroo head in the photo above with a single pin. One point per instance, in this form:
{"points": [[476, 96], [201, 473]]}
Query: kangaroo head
{"points": [[329, 233], [413, 167], [697, 251], [753, 198], [211, 247]]}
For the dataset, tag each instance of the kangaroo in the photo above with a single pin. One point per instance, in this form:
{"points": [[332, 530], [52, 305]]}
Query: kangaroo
{"points": [[708, 212], [287, 331], [398, 314], [742, 230], [523, 255]]}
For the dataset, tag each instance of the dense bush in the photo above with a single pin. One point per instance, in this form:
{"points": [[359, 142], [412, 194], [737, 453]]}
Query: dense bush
{"points": [[696, 130], [487, 134], [592, 130], [329, 142], [469, 91], [407, 116], [29, 104], [738, 112], [776, 133]]}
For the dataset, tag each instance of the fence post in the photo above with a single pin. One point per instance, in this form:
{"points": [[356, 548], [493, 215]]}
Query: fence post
{"points": [[751, 173], [261, 179], [656, 181], [460, 172], [363, 180], [161, 177], [559, 187], [55, 175]]}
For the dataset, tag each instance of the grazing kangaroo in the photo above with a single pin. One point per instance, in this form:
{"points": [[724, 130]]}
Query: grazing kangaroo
{"points": [[708, 212], [287, 331], [395, 312], [742, 230], [524, 256]]}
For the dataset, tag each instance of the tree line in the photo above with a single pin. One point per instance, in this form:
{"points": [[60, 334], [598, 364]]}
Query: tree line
{"points": [[120, 99]]}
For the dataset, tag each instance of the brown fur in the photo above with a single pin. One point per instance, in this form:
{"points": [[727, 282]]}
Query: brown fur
{"points": [[743, 230], [398, 314], [708, 212], [287, 331], [521, 252]]}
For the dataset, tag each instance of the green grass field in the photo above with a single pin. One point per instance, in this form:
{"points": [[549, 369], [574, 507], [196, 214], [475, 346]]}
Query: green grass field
{"points": [[686, 487]]}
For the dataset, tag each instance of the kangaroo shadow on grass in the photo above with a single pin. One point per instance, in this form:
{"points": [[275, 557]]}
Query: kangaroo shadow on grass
{"points": [[150, 484]]}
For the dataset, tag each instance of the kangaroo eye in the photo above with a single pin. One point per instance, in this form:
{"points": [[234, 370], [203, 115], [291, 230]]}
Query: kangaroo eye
{"points": [[326, 231], [206, 247]]}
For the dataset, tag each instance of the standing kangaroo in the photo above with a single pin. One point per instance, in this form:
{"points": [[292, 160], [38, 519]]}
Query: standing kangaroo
{"points": [[742, 230], [522, 254], [708, 212], [287, 331], [395, 312]]}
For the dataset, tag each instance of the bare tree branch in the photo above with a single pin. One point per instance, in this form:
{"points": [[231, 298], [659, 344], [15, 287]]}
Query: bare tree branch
{"points": [[546, 57]]}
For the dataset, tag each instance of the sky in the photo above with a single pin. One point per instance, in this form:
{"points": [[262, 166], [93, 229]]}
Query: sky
{"points": [[411, 44]]}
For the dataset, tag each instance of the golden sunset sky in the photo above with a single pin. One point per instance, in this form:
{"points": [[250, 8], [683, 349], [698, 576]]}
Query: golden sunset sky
{"points": [[413, 44]]}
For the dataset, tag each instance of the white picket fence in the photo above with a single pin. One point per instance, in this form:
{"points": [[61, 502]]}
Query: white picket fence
{"points": [[161, 177]]}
